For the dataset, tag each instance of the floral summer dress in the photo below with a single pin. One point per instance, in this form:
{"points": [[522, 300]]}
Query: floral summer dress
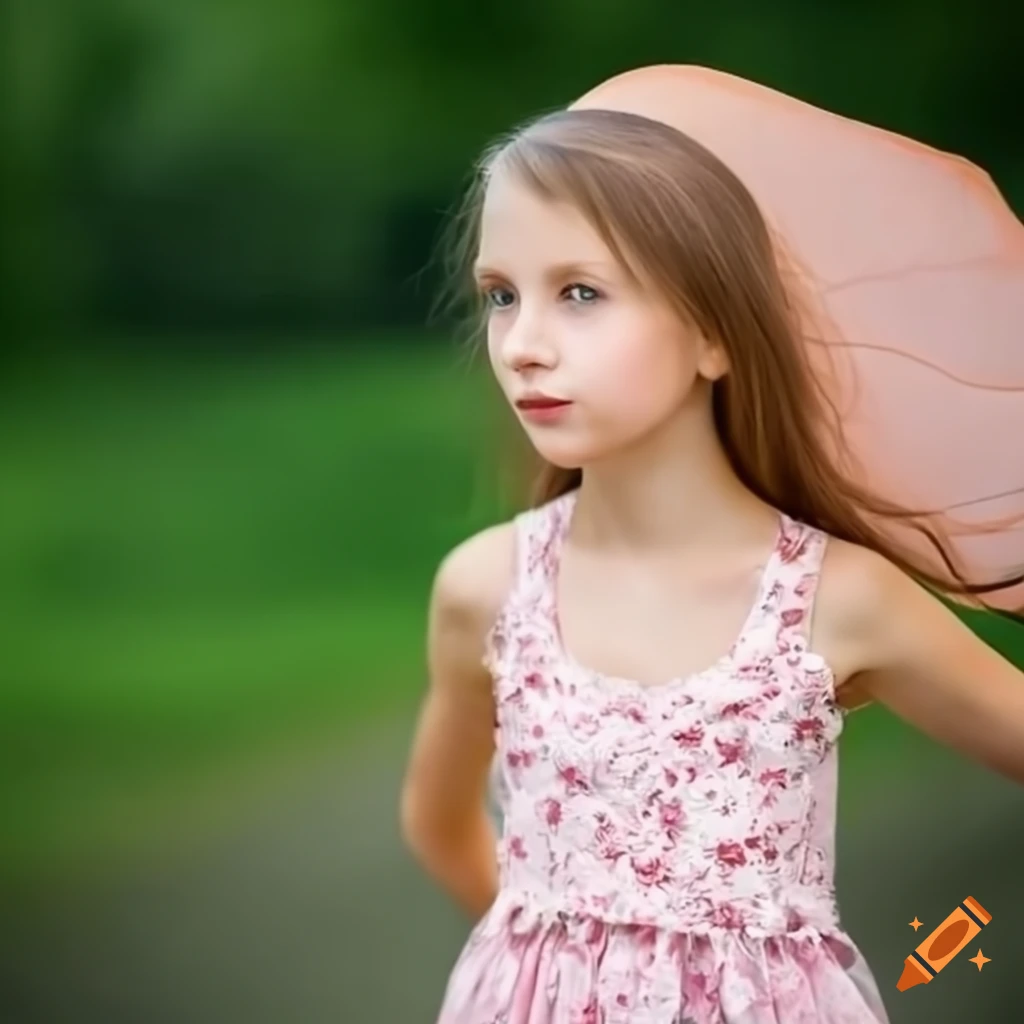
{"points": [[667, 852]]}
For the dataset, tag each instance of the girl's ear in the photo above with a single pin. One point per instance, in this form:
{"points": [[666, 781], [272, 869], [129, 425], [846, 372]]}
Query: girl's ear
{"points": [[712, 362]]}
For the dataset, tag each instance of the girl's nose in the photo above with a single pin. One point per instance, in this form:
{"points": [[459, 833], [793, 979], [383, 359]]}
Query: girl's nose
{"points": [[526, 344]]}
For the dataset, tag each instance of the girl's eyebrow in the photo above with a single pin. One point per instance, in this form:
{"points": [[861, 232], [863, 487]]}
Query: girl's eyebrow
{"points": [[558, 271]]}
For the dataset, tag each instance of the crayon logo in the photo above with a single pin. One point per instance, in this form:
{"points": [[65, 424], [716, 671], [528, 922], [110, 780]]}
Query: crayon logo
{"points": [[944, 943]]}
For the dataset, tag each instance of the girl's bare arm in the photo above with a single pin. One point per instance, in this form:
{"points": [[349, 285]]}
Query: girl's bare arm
{"points": [[911, 653], [444, 815]]}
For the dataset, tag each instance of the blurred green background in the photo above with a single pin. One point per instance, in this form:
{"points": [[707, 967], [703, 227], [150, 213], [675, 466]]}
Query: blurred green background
{"points": [[234, 446]]}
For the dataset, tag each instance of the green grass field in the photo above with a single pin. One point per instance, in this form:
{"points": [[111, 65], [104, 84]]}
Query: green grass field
{"points": [[199, 559], [205, 563]]}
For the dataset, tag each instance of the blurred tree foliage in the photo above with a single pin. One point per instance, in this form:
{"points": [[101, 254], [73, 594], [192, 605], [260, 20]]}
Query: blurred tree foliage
{"points": [[213, 164]]}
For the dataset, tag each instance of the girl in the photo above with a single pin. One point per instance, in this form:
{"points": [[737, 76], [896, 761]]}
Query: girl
{"points": [[669, 640]]}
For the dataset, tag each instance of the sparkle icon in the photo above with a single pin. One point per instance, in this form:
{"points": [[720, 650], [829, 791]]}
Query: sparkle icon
{"points": [[980, 959], [915, 924]]}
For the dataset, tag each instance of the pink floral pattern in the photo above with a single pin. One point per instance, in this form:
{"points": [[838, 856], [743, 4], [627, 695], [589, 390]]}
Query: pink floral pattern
{"points": [[667, 854]]}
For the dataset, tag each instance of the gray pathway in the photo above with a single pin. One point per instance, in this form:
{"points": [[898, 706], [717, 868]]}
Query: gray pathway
{"points": [[312, 914]]}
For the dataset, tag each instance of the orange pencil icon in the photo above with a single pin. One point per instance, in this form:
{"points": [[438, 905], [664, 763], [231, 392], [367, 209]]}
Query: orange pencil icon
{"points": [[943, 944]]}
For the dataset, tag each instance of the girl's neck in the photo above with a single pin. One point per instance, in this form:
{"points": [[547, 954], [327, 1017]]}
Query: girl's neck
{"points": [[674, 490]]}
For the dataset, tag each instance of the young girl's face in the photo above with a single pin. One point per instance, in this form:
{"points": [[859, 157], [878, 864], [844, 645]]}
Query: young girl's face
{"points": [[566, 320]]}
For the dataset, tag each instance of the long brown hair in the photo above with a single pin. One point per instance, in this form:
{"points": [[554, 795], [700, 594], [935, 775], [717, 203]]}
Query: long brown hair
{"points": [[672, 212]]}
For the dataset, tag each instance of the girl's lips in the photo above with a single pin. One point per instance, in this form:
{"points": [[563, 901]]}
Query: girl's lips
{"points": [[541, 403], [543, 410]]}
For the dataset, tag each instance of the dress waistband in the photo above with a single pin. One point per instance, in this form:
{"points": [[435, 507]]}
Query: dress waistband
{"points": [[797, 912]]}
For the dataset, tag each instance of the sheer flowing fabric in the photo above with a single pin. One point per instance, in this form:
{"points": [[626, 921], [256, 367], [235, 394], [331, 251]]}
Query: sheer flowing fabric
{"points": [[909, 266]]}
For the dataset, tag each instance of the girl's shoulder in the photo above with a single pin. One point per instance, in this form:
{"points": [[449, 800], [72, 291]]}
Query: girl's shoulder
{"points": [[481, 570], [475, 577], [858, 586], [856, 581]]}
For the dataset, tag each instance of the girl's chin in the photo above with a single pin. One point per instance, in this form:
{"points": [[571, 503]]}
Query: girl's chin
{"points": [[574, 449], [566, 456]]}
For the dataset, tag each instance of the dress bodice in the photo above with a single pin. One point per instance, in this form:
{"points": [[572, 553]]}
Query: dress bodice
{"points": [[707, 802]]}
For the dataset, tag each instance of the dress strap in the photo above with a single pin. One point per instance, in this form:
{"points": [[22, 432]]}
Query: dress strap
{"points": [[538, 533], [797, 571]]}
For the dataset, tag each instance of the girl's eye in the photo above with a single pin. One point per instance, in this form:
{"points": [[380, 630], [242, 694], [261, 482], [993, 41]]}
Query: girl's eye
{"points": [[581, 293], [503, 298], [499, 298]]}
